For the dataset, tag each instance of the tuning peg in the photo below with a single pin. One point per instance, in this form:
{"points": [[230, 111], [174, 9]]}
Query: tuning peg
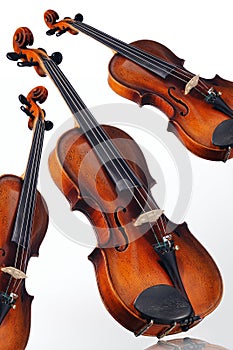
{"points": [[41, 49], [62, 31], [48, 125], [52, 31], [13, 56], [78, 17], [24, 101], [26, 111], [27, 64], [56, 57]]}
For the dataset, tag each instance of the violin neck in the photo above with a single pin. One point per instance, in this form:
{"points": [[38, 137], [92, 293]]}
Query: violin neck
{"points": [[144, 59], [24, 217], [78, 108], [107, 153]]}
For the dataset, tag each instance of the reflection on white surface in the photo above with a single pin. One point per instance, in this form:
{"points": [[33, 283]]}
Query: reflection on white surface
{"points": [[185, 344]]}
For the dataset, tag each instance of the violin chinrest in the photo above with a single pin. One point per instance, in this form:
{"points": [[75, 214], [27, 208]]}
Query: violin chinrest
{"points": [[4, 307], [223, 134], [164, 305]]}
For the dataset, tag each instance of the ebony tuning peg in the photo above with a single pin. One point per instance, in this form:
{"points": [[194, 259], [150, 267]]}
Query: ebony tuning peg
{"points": [[56, 57], [40, 48], [52, 31], [24, 101], [62, 31], [48, 125], [78, 17], [13, 56], [26, 111], [27, 64]]}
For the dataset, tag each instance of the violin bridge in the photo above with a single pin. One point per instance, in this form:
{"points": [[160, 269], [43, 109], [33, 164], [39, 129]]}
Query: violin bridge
{"points": [[148, 217], [191, 84], [17, 274]]}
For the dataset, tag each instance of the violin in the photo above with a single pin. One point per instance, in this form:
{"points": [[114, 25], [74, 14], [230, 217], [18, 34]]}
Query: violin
{"points": [[151, 281], [147, 72], [24, 221]]}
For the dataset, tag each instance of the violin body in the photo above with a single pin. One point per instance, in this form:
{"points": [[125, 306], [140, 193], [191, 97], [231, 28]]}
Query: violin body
{"points": [[190, 117], [126, 267], [15, 327], [199, 110]]}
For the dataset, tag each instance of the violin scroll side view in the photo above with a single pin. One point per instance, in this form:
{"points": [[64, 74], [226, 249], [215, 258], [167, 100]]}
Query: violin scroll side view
{"points": [[147, 72], [23, 222], [151, 281]]}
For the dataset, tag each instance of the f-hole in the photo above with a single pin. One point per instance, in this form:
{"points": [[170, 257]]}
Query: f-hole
{"points": [[2, 252], [183, 113], [121, 248]]}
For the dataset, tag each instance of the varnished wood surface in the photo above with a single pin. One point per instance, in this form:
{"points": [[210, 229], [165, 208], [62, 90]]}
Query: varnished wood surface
{"points": [[15, 328], [122, 276], [196, 127]]}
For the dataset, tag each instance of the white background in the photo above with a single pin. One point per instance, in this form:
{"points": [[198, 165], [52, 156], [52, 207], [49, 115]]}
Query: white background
{"points": [[67, 311]]}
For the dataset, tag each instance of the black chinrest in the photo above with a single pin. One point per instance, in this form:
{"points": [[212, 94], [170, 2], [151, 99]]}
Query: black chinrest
{"points": [[4, 306], [223, 134], [164, 305]]}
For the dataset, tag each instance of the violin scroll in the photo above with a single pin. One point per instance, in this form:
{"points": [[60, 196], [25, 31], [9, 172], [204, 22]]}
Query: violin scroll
{"points": [[60, 27], [38, 94], [50, 17], [23, 37]]}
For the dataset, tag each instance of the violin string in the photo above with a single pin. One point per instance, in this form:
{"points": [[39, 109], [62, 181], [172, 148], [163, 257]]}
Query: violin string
{"points": [[130, 48], [163, 65], [22, 205], [32, 199], [85, 112], [28, 205], [138, 53], [52, 68], [33, 165], [88, 116]]}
